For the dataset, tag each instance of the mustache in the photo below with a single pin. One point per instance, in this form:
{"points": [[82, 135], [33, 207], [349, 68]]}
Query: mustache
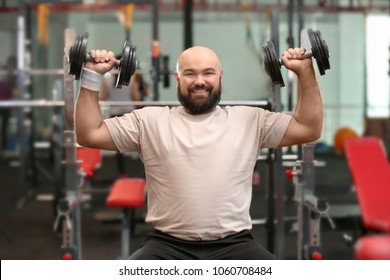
{"points": [[202, 87]]}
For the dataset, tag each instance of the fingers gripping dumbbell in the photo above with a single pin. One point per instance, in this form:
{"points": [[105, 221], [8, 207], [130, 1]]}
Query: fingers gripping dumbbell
{"points": [[319, 50], [126, 64]]}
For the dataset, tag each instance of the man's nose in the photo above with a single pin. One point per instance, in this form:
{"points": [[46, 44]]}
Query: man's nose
{"points": [[199, 80]]}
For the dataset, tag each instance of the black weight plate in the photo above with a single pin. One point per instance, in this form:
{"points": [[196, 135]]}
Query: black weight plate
{"points": [[276, 65], [122, 66], [73, 55], [272, 64], [166, 73], [316, 50], [132, 63], [77, 54], [127, 65], [320, 50], [324, 50], [81, 57], [267, 64]]}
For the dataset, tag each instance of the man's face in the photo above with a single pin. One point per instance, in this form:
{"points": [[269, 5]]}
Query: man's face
{"points": [[198, 80]]}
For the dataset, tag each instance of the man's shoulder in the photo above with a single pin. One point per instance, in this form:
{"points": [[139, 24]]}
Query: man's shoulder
{"points": [[156, 109], [241, 109]]}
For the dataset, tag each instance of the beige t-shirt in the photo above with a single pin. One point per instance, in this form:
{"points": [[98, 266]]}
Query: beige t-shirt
{"points": [[198, 167]]}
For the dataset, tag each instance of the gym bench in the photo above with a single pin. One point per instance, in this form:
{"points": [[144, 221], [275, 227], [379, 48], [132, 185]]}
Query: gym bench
{"points": [[128, 194], [370, 171]]}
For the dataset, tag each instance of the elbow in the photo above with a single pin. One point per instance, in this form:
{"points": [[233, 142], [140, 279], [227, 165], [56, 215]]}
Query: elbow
{"points": [[316, 134], [316, 137], [316, 129], [81, 140]]}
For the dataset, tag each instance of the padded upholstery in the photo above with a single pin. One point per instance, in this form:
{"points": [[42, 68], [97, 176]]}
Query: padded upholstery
{"points": [[90, 160], [370, 170], [127, 193], [373, 247]]}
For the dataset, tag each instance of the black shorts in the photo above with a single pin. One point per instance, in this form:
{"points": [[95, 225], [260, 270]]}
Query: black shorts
{"points": [[239, 246]]}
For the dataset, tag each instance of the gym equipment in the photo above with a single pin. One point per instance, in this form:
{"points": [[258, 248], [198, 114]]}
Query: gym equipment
{"points": [[166, 73], [310, 208], [370, 171], [59, 103], [128, 194], [90, 160], [373, 247], [319, 50], [126, 64], [69, 200], [340, 136]]}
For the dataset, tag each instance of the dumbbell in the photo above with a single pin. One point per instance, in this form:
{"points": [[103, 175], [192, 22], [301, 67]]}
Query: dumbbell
{"points": [[319, 50], [126, 64]]}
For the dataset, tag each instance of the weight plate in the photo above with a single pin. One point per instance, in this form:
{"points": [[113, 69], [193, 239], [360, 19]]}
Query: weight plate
{"points": [[324, 50], [72, 56], [166, 72], [133, 62], [77, 54], [272, 65], [320, 50], [127, 65], [122, 66], [267, 63]]}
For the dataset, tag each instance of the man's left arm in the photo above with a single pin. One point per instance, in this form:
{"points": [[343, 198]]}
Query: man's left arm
{"points": [[306, 123]]}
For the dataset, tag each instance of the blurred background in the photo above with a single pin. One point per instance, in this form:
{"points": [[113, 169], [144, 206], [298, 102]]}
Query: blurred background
{"points": [[355, 92]]}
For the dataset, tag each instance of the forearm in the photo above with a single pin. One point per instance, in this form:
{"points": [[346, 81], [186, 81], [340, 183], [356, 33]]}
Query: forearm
{"points": [[309, 108], [88, 116]]}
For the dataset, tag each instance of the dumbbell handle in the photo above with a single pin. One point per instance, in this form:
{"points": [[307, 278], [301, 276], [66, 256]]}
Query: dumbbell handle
{"points": [[88, 57], [307, 54]]}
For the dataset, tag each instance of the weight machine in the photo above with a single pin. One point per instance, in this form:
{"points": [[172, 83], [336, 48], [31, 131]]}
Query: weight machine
{"points": [[310, 209]]}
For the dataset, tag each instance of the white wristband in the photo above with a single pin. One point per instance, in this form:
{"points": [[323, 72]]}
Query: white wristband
{"points": [[91, 80]]}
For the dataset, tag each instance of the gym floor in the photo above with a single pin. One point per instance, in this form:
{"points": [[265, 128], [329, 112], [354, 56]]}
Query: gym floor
{"points": [[26, 232]]}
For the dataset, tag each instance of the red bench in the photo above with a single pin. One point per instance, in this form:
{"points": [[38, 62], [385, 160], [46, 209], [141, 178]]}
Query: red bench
{"points": [[128, 194], [370, 171]]}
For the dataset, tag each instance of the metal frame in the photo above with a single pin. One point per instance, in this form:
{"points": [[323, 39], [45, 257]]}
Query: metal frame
{"points": [[60, 103], [177, 5], [275, 170]]}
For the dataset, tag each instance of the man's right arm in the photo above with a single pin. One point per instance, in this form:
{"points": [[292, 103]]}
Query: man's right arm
{"points": [[91, 131]]}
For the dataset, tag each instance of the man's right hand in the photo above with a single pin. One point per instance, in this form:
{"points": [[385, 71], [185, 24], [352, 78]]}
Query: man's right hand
{"points": [[103, 62]]}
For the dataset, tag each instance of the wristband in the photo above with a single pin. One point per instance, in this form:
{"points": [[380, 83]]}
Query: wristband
{"points": [[91, 80]]}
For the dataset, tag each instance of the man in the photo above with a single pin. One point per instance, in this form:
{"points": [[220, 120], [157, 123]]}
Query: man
{"points": [[199, 157]]}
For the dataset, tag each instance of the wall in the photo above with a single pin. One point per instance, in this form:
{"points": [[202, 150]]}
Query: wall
{"points": [[343, 86]]}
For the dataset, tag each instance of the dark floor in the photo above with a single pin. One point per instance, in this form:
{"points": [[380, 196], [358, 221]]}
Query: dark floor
{"points": [[26, 229]]}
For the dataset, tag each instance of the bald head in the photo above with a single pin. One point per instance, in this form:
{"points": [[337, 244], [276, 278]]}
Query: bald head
{"points": [[200, 58]]}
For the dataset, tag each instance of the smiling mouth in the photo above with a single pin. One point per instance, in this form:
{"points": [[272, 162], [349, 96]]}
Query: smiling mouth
{"points": [[200, 94], [200, 90]]}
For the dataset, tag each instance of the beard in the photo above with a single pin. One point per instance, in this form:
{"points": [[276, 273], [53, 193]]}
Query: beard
{"points": [[197, 107]]}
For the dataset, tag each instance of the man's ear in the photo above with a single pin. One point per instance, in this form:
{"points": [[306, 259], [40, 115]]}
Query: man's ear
{"points": [[177, 78]]}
